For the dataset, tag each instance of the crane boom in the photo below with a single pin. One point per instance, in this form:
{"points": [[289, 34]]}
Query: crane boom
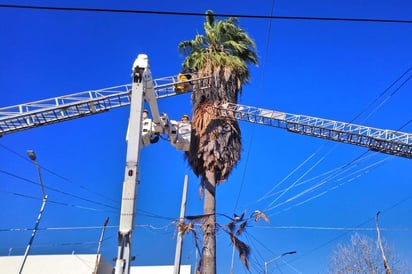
{"points": [[58, 109], [380, 140], [43, 112]]}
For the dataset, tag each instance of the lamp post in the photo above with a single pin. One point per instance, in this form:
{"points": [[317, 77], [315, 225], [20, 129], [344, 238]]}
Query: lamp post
{"points": [[32, 157], [277, 258]]}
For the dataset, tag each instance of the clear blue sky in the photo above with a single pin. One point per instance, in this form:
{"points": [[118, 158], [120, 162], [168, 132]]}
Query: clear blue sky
{"points": [[327, 69]]}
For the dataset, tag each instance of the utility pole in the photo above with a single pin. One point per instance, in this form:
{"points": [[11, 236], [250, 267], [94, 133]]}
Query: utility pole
{"points": [[385, 261], [178, 255], [32, 157]]}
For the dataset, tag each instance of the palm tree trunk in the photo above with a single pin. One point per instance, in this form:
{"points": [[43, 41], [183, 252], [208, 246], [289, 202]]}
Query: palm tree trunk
{"points": [[209, 235]]}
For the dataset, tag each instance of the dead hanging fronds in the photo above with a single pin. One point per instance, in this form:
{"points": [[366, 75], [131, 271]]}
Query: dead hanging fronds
{"points": [[237, 226], [234, 228], [224, 111], [234, 221], [231, 226], [206, 112], [242, 248], [241, 228], [259, 214], [186, 228], [202, 117]]}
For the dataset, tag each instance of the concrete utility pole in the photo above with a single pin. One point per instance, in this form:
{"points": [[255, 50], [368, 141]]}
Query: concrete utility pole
{"points": [[385, 261], [32, 157], [178, 255]]}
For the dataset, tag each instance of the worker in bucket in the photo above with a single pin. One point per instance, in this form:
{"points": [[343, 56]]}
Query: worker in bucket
{"points": [[185, 119]]}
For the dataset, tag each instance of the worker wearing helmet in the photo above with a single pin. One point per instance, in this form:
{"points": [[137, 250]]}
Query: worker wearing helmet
{"points": [[185, 119], [145, 114]]}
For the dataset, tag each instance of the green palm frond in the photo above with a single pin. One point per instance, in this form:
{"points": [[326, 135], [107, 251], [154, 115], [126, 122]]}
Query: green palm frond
{"points": [[222, 42]]}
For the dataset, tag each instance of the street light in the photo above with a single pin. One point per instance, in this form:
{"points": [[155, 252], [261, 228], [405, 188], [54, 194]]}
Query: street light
{"points": [[277, 258], [32, 157]]}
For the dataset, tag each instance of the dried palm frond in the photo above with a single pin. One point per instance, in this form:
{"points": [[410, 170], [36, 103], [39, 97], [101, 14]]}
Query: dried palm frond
{"points": [[259, 214], [221, 147], [231, 226], [202, 117], [241, 228], [186, 228], [242, 248]]}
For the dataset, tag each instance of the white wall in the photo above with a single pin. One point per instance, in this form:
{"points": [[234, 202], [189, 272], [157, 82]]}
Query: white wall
{"points": [[52, 264], [164, 269], [75, 264]]}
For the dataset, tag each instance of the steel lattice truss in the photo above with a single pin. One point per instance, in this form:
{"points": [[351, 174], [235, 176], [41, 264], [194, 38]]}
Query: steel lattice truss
{"points": [[58, 109], [48, 111], [381, 140]]}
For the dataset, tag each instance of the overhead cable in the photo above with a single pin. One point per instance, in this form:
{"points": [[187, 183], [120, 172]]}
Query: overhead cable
{"points": [[259, 93], [57, 190], [59, 176], [180, 13]]}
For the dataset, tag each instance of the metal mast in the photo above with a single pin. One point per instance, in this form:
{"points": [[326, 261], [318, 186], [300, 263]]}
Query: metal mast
{"points": [[131, 176]]}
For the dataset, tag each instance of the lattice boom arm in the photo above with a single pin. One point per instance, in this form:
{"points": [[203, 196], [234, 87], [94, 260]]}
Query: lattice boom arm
{"points": [[381, 140], [58, 109], [34, 114]]}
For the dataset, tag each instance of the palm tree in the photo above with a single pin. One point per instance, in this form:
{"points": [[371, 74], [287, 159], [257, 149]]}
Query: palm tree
{"points": [[224, 53]]}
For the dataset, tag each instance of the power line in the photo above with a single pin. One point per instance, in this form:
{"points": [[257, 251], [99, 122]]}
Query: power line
{"points": [[334, 228], [179, 13], [259, 93], [269, 193], [57, 190], [358, 227], [382, 94], [140, 211], [389, 97], [81, 228], [348, 165], [55, 202], [58, 176], [347, 178]]}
